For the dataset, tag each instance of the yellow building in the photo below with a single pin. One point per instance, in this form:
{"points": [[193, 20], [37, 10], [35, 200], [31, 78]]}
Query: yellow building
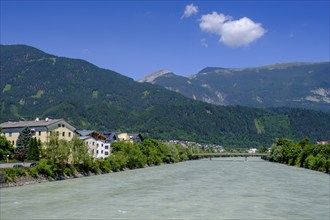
{"points": [[41, 129], [123, 137], [129, 137]]}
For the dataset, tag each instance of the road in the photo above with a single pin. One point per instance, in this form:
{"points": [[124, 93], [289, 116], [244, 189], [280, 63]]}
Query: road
{"points": [[8, 165]]}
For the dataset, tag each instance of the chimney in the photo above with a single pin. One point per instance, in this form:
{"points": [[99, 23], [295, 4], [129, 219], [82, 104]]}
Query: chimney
{"points": [[37, 119], [47, 119]]}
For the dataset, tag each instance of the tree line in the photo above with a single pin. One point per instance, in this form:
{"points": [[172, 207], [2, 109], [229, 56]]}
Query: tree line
{"points": [[301, 154], [61, 159]]}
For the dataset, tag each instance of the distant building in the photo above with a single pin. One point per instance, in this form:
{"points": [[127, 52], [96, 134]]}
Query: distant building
{"points": [[41, 129], [123, 137], [323, 142], [99, 145], [252, 150], [136, 137], [130, 137]]}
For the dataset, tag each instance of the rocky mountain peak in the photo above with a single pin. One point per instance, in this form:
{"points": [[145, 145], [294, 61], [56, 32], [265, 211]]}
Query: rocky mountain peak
{"points": [[151, 78]]}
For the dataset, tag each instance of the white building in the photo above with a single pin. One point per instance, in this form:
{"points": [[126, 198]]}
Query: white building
{"points": [[98, 144], [252, 150], [103, 149]]}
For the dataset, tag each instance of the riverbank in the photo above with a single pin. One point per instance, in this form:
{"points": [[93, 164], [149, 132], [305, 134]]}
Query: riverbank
{"points": [[301, 154], [123, 156], [28, 180]]}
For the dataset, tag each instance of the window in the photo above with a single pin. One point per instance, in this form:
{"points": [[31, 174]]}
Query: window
{"points": [[59, 125], [69, 133], [57, 133], [106, 153], [39, 133], [101, 151], [62, 125], [63, 134], [106, 147], [13, 142], [97, 151]]}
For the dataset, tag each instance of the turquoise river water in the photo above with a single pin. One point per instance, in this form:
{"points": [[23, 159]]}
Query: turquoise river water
{"points": [[223, 188]]}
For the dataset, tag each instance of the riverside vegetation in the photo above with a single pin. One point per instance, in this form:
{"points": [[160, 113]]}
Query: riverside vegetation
{"points": [[301, 154], [62, 159]]}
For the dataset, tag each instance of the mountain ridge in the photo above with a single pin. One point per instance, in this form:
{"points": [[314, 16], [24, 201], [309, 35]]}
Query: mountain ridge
{"points": [[300, 85], [36, 84]]}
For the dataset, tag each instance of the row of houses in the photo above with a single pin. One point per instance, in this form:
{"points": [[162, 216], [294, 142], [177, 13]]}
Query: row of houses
{"points": [[99, 143]]}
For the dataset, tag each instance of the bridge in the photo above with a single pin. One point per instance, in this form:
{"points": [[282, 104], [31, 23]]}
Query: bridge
{"points": [[210, 155]]}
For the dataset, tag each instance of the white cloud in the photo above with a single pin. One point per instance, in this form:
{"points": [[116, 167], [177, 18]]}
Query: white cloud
{"points": [[204, 43], [190, 10], [232, 33]]}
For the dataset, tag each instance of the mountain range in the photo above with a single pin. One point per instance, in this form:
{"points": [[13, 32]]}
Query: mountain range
{"points": [[36, 84], [300, 85]]}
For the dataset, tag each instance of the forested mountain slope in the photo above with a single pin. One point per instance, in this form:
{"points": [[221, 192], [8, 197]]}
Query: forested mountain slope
{"points": [[37, 84]]}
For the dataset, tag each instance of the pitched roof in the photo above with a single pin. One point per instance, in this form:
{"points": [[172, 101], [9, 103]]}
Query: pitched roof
{"points": [[135, 135], [109, 135], [96, 135], [86, 138], [84, 132], [36, 123]]}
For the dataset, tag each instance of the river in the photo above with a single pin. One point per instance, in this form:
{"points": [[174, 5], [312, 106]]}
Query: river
{"points": [[221, 188]]}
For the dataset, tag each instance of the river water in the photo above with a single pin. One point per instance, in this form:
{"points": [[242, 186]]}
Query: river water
{"points": [[223, 188]]}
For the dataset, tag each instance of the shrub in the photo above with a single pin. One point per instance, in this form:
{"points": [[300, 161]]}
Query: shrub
{"points": [[118, 161], [47, 168], [33, 172], [67, 171], [104, 165], [13, 173]]}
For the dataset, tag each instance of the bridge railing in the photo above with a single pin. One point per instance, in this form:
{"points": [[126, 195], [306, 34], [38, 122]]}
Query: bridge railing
{"points": [[230, 155]]}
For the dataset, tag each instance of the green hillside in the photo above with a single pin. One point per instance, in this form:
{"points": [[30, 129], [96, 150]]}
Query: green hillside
{"points": [[300, 85], [36, 84]]}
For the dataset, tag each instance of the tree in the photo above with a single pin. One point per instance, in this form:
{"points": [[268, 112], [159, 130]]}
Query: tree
{"points": [[79, 151], [133, 153], [23, 141], [262, 149], [58, 150], [151, 152], [172, 155], [33, 152], [6, 148]]}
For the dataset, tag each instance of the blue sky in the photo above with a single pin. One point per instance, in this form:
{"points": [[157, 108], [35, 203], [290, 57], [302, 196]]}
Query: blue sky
{"points": [[136, 38]]}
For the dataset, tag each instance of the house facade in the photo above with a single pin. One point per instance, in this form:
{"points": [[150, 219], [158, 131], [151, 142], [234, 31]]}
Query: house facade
{"points": [[99, 144], [103, 149], [41, 129], [91, 144]]}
